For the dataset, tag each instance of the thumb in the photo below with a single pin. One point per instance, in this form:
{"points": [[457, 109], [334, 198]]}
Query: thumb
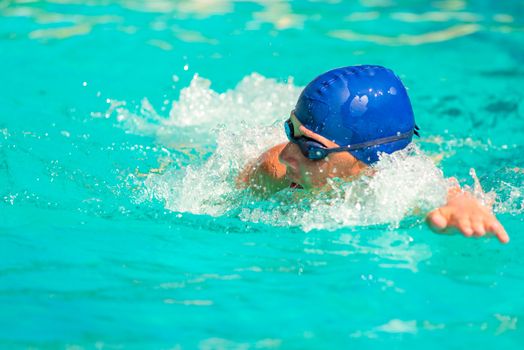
{"points": [[436, 220]]}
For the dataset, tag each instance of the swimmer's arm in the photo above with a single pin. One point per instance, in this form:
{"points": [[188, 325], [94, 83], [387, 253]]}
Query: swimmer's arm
{"points": [[465, 214], [265, 175]]}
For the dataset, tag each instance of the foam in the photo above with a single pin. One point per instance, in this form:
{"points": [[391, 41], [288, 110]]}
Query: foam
{"points": [[256, 99], [506, 186], [403, 183], [245, 121]]}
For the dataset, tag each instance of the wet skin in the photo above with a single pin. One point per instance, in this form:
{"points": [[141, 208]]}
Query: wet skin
{"points": [[284, 165], [314, 173]]}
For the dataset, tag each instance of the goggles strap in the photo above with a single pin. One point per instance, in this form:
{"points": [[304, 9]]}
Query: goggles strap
{"points": [[376, 142]]}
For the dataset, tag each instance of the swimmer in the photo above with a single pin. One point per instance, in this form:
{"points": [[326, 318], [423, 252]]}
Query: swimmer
{"points": [[342, 121]]}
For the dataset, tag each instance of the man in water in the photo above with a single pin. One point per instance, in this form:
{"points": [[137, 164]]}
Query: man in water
{"points": [[342, 121]]}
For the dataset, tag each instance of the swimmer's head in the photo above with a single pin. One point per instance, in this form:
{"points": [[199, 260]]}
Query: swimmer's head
{"points": [[309, 173], [358, 105]]}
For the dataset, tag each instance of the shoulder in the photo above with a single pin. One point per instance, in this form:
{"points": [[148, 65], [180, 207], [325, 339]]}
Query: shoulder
{"points": [[266, 171], [268, 163]]}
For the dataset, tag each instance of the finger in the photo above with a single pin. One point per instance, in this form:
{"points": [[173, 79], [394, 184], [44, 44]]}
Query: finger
{"points": [[436, 221], [498, 230], [478, 229], [464, 226]]}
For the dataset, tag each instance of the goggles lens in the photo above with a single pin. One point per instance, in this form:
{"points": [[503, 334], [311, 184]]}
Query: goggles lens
{"points": [[310, 148]]}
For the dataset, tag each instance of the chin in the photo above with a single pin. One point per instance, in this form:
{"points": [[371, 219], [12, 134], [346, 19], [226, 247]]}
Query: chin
{"points": [[293, 177], [317, 184]]}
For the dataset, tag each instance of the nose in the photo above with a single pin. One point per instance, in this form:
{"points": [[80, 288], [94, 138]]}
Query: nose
{"points": [[288, 156]]}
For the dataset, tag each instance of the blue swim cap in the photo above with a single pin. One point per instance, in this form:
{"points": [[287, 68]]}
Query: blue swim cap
{"points": [[357, 104]]}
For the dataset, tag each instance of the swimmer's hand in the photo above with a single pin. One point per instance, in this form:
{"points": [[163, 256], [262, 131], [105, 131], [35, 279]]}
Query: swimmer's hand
{"points": [[465, 214]]}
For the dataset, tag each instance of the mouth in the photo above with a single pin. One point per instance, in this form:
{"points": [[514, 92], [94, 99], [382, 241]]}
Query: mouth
{"points": [[296, 186], [293, 177]]}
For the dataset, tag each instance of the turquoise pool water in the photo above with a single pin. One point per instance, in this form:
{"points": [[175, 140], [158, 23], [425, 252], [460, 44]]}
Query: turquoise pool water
{"points": [[124, 123]]}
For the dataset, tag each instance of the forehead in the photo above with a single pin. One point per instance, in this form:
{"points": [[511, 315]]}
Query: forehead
{"points": [[297, 125]]}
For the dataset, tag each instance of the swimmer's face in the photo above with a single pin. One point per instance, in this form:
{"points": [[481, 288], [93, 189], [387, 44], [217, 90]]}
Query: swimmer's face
{"points": [[314, 173]]}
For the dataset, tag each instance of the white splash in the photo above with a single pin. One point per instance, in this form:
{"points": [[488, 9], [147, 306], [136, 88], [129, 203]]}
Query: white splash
{"points": [[508, 185], [256, 100], [241, 123], [402, 184], [244, 122]]}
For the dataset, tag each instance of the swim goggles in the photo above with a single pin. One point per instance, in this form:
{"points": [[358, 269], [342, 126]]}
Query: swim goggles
{"points": [[314, 150]]}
